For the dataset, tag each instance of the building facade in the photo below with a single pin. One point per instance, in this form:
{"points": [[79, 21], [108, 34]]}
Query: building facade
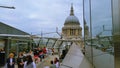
{"points": [[12, 40], [72, 28]]}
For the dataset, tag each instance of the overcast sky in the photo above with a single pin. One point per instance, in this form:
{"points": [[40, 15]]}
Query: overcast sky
{"points": [[34, 16]]}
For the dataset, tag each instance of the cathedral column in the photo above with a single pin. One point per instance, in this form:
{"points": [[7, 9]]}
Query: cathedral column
{"points": [[76, 32], [69, 32]]}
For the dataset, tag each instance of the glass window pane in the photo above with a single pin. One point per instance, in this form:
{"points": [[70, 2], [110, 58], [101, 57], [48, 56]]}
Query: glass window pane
{"points": [[99, 47]]}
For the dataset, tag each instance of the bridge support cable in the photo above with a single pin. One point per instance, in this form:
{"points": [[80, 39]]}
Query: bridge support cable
{"points": [[54, 43], [47, 42]]}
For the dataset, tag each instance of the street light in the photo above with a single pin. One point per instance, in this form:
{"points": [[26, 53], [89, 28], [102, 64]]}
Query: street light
{"points": [[7, 7]]}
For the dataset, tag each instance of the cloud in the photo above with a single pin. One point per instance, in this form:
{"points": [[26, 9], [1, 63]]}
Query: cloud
{"points": [[36, 15]]}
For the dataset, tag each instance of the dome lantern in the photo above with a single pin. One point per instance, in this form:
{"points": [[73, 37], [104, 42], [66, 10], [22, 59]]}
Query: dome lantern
{"points": [[71, 11]]}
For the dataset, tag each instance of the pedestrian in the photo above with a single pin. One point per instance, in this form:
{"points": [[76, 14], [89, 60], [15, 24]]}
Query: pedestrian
{"points": [[52, 51], [56, 62], [52, 64], [44, 50], [29, 63], [11, 61], [20, 61]]}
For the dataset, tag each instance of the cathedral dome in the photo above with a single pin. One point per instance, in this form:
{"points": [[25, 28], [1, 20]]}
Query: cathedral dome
{"points": [[71, 20]]}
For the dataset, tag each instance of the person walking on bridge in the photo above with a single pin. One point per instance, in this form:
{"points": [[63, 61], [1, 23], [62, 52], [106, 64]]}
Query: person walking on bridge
{"points": [[29, 63], [20, 60], [52, 64], [11, 61]]}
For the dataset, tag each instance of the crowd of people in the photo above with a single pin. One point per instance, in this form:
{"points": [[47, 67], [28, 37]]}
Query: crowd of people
{"points": [[30, 59]]}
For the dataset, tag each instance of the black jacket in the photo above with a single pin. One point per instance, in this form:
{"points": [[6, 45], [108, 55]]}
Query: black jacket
{"points": [[20, 60], [8, 63]]}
